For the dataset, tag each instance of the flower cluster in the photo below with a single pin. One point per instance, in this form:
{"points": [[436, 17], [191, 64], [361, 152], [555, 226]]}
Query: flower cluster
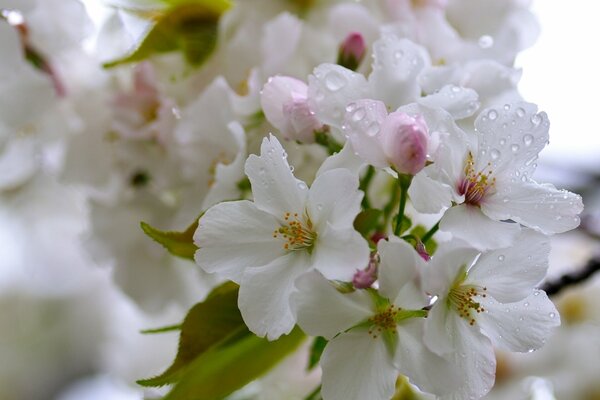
{"points": [[362, 170]]}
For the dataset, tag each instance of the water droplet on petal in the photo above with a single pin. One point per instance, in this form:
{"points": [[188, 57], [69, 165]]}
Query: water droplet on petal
{"points": [[536, 119], [334, 81], [507, 107], [486, 41], [351, 107], [502, 142], [520, 112], [358, 115], [373, 129], [495, 153], [492, 115], [528, 139], [514, 148], [398, 54], [505, 199], [552, 315], [302, 186], [501, 258]]}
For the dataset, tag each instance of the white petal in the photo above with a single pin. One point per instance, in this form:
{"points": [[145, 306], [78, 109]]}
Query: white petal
{"points": [[338, 253], [334, 198], [331, 88], [398, 269], [510, 274], [430, 372], [434, 77], [471, 225], [458, 101], [396, 65], [276, 190], [362, 125], [281, 37], [264, 298], [541, 207], [428, 195], [347, 18], [323, 311], [510, 139], [439, 329], [441, 271], [346, 158], [227, 176], [233, 236], [357, 367], [521, 326], [18, 162], [475, 359]]}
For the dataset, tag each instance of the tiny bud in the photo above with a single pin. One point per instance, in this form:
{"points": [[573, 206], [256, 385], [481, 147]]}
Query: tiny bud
{"points": [[284, 101], [363, 279], [377, 236], [404, 140], [420, 247], [352, 51]]}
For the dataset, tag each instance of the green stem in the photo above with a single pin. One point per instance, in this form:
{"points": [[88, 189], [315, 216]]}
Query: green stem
{"points": [[404, 183], [364, 186], [387, 210], [324, 139], [429, 234]]}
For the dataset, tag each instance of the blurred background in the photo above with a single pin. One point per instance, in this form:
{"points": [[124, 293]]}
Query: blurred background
{"points": [[69, 333]]}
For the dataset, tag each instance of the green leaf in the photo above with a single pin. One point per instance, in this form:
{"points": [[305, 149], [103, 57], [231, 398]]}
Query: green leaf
{"points": [[226, 368], [315, 352], [406, 224], [190, 26], [204, 327], [163, 329], [367, 221], [179, 244]]}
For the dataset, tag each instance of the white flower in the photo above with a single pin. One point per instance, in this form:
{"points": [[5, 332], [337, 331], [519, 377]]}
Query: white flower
{"points": [[487, 299], [490, 181], [373, 336], [288, 230]]}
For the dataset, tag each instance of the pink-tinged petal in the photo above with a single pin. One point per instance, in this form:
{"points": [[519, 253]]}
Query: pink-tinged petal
{"points": [[346, 159], [323, 311], [460, 102], [510, 138], [398, 270], [428, 195], [445, 265], [331, 88], [264, 298], [362, 125], [338, 253], [510, 274], [539, 206], [285, 104], [232, 236], [471, 225], [396, 65], [430, 372], [334, 198], [522, 326], [405, 141], [357, 367], [275, 189]]}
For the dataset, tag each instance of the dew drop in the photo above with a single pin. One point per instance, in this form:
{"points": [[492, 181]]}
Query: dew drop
{"points": [[486, 41], [358, 115], [319, 206], [514, 148], [455, 89], [507, 107], [492, 115], [536, 119], [302, 186], [526, 304], [291, 168], [501, 258], [351, 107], [520, 112], [334, 81], [398, 54], [495, 154], [502, 142], [552, 315], [527, 140], [373, 129], [505, 199]]}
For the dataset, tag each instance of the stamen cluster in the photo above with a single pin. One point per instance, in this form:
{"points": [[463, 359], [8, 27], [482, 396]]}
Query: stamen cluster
{"points": [[296, 234]]}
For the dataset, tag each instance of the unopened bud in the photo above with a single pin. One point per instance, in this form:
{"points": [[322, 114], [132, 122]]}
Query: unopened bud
{"points": [[420, 247], [363, 279], [284, 101], [352, 51], [404, 140]]}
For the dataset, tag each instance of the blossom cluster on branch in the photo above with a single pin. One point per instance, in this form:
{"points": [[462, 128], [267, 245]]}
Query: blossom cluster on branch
{"points": [[361, 170]]}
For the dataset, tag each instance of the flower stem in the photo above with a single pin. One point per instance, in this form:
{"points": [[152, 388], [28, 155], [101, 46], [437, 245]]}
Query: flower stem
{"points": [[429, 234], [404, 183], [324, 139], [364, 186]]}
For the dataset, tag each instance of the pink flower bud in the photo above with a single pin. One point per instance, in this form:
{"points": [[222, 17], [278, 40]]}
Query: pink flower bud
{"points": [[404, 140], [284, 101], [352, 51], [363, 279], [420, 247]]}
